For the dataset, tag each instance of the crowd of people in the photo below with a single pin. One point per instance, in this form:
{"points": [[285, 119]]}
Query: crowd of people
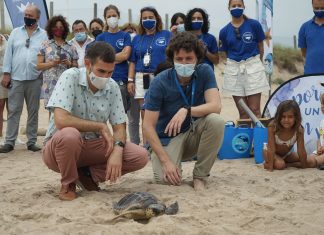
{"points": [[163, 77]]}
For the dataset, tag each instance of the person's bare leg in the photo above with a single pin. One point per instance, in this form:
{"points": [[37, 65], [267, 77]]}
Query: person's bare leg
{"points": [[2, 105], [141, 102], [253, 102], [293, 160], [242, 113], [278, 163], [199, 184]]}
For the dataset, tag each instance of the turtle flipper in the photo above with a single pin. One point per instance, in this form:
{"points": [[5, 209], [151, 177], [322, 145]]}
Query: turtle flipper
{"points": [[134, 214], [172, 209]]}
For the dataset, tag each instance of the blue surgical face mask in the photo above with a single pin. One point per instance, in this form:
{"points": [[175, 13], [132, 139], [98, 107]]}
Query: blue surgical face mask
{"points": [[149, 24], [80, 37], [237, 12], [185, 70], [180, 28], [319, 13], [196, 25]]}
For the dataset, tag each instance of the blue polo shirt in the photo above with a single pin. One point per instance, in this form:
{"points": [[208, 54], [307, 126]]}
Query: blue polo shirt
{"points": [[311, 37], [242, 46], [118, 41], [211, 44], [164, 96], [154, 45]]}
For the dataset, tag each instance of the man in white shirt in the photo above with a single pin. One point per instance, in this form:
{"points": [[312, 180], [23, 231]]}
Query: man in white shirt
{"points": [[80, 40]]}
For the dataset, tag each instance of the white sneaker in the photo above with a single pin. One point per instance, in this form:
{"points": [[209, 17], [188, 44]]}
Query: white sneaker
{"points": [[19, 141]]}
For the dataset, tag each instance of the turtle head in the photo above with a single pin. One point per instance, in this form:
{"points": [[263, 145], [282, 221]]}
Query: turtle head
{"points": [[154, 210]]}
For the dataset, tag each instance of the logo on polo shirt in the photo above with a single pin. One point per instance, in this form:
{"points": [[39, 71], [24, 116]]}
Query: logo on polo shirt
{"points": [[120, 43], [248, 37], [161, 41]]}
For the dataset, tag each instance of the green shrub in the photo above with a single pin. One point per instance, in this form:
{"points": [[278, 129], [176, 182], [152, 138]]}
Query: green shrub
{"points": [[287, 58]]}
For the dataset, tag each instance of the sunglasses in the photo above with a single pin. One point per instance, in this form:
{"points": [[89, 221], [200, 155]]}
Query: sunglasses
{"points": [[27, 44], [237, 33]]}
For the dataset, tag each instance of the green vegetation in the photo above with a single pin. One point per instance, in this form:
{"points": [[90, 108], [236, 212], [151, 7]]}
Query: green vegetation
{"points": [[286, 58], [278, 81]]}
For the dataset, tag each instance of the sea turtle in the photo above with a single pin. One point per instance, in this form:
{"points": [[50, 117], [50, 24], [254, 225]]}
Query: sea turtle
{"points": [[142, 206]]}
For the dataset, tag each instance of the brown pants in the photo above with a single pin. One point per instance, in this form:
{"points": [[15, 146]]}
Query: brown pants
{"points": [[66, 151]]}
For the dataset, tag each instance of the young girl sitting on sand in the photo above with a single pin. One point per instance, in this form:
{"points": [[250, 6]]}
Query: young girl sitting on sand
{"points": [[283, 132]]}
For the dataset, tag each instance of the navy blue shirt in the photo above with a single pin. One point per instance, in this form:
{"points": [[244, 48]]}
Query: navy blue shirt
{"points": [[211, 44], [164, 96], [311, 37], [118, 41], [243, 44], [154, 45]]}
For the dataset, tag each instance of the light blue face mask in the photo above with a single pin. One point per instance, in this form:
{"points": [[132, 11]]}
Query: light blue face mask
{"points": [[180, 28], [185, 70], [237, 12], [80, 37], [319, 14]]}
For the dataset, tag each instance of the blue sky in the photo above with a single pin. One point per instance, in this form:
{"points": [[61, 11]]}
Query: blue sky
{"points": [[288, 14]]}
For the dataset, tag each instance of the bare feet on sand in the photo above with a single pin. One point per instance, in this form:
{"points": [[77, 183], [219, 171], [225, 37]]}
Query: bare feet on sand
{"points": [[199, 184]]}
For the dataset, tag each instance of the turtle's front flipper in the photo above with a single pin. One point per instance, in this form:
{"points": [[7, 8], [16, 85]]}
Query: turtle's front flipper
{"points": [[134, 214], [172, 209]]}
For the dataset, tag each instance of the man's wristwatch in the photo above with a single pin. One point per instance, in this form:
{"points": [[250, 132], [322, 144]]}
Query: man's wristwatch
{"points": [[188, 107], [119, 143]]}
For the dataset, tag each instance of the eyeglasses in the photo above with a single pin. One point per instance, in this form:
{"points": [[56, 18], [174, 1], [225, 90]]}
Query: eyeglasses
{"points": [[27, 42], [237, 33]]}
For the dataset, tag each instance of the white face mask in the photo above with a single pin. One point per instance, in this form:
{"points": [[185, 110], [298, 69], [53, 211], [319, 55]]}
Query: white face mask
{"points": [[112, 22], [185, 70], [98, 82], [132, 35]]}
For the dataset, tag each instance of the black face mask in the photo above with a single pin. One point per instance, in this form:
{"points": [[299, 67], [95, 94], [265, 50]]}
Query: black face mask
{"points": [[96, 32], [29, 21]]}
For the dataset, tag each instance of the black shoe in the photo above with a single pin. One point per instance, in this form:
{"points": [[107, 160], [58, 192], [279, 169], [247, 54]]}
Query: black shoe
{"points": [[34, 148], [6, 148], [85, 179]]}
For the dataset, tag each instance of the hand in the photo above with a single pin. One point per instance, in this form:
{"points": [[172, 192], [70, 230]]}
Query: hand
{"points": [[67, 62], [174, 28], [56, 62], [131, 88], [320, 150], [114, 166], [6, 80], [105, 132], [171, 173], [174, 126]]}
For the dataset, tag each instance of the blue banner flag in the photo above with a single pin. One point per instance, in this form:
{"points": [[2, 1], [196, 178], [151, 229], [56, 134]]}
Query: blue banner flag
{"points": [[265, 16], [16, 9]]}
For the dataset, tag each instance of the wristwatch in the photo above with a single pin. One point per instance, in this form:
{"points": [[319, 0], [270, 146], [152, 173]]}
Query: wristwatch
{"points": [[119, 143], [188, 107]]}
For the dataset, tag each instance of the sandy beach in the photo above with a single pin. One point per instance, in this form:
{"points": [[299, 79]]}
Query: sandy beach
{"points": [[241, 198]]}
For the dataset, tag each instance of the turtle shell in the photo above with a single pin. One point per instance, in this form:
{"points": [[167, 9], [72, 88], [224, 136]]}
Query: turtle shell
{"points": [[134, 201]]}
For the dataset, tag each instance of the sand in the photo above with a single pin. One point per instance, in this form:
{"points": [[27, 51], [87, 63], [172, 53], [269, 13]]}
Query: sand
{"points": [[241, 198]]}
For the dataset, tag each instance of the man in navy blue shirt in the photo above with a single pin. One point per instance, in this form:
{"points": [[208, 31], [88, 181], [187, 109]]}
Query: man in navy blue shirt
{"points": [[182, 118], [311, 38]]}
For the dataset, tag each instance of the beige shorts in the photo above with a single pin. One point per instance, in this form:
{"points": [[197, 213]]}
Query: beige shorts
{"points": [[139, 85], [245, 78]]}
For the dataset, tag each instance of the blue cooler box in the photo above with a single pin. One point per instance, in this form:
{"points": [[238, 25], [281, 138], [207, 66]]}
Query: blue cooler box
{"points": [[260, 135], [237, 142]]}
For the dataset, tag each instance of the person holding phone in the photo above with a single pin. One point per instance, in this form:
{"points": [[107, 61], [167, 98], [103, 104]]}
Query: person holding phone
{"points": [[56, 55], [148, 51]]}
